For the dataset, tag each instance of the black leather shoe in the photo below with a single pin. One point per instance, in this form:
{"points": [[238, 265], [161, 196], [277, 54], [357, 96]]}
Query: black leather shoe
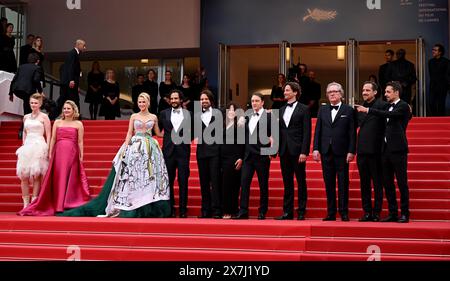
{"points": [[329, 218], [376, 217], [390, 218], [301, 217], [240, 216], [345, 218], [261, 216], [285, 216], [366, 217], [403, 219], [183, 215], [217, 216], [204, 216]]}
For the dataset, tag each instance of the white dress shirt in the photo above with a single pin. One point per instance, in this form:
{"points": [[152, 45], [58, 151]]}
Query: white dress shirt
{"points": [[176, 118], [206, 116], [335, 111], [390, 109], [288, 113], [254, 120]]}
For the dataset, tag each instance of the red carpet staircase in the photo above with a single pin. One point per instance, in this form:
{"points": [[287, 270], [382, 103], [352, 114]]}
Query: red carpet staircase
{"points": [[427, 237]]}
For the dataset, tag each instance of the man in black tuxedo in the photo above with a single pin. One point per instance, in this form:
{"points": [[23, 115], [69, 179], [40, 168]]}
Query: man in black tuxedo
{"points": [[258, 140], [335, 146], [295, 139], [27, 81], [176, 123], [404, 72], [70, 75], [26, 49], [383, 72], [370, 136], [208, 155], [395, 150]]}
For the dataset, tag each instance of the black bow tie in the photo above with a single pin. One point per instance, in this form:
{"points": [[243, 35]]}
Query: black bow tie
{"points": [[290, 104], [256, 114], [393, 104], [176, 111], [334, 107], [205, 110]]}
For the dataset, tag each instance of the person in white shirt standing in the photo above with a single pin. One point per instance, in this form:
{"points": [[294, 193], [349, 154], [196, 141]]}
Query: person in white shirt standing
{"points": [[295, 139]]}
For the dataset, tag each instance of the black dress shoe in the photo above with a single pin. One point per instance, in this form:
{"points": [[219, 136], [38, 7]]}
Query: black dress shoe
{"points": [[366, 217], [390, 218], [217, 216], [183, 215], [329, 218], [301, 217], [376, 217], [240, 216], [261, 216], [285, 216], [204, 216], [403, 219], [345, 218]]}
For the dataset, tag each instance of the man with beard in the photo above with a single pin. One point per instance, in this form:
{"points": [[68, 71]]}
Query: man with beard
{"points": [[395, 150], [176, 123], [370, 137]]}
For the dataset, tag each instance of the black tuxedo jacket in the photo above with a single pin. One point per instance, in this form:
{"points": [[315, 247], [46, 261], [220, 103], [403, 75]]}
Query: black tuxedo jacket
{"points": [[253, 142], [296, 138], [71, 68], [27, 79], [205, 150], [165, 124], [371, 129], [395, 131], [340, 134]]}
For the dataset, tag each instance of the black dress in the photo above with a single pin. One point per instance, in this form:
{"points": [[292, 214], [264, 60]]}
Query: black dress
{"points": [[111, 90], [230, 152], [164, 91], [277, 92], [8, 61], [94, 80], [188, 94], [151, 88]]}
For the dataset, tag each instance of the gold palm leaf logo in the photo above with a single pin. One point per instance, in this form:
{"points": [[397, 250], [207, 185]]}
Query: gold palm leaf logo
{"points": [[320, 15]]}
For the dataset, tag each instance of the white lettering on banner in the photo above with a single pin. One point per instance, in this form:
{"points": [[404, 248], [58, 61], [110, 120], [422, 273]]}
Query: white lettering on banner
{"points": [[73, 4], [374, 4]]}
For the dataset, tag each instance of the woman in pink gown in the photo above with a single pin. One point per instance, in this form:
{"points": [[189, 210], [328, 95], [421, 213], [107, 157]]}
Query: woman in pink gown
{"points": [[65, 184]]}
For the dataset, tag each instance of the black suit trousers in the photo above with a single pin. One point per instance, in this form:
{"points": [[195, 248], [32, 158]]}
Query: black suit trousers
{"points": [[231, 182], [209, 174], [332, 166], [369, 166], [67, 93], [260, 164], [289, 167], [396, 164], [174, 162]]}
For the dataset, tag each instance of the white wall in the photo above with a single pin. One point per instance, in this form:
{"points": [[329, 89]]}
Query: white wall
{"points": [[108, 25]]}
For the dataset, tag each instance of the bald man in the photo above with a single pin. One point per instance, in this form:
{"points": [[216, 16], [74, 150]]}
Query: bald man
{"points": [[70, 75]]}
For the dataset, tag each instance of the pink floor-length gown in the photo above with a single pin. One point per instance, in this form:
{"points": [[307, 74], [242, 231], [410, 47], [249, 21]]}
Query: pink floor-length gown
{"points": [[65, 184]]}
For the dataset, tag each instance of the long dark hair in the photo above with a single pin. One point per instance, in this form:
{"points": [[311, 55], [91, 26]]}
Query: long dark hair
{"points": [[225, 119]]}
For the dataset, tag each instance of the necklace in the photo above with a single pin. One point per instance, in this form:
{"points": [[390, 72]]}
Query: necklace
{"points": [[33, 117]]}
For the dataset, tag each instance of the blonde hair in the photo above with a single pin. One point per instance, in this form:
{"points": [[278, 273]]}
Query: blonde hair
{"points": [[38, 97], [145, 96], [76, 112]]}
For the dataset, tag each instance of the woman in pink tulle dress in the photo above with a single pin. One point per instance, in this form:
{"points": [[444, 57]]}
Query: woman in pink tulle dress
{"points": [[65, 184], [32, 156]]}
